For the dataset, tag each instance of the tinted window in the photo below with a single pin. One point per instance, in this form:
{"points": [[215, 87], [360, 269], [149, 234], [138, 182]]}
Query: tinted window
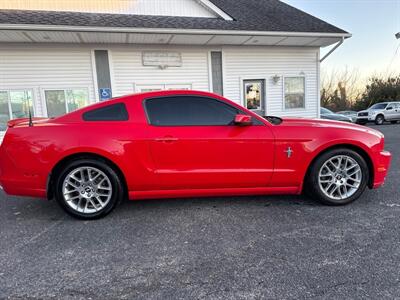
{"points": [[379, 106], [189, 111], [115, 112]]}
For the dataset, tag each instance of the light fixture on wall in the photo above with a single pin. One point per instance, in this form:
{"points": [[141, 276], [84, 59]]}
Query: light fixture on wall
{"points": [[302, 73], [276, 79]]}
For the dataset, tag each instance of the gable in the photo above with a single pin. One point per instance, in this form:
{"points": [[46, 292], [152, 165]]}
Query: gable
{"points": [[178, 8]]}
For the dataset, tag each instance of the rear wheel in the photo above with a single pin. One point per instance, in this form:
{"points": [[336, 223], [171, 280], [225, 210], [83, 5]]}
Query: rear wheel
{"points": [[338, 177], [379, 119], [88, 189]]}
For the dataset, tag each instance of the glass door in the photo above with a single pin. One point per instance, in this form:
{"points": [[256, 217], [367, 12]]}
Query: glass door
{"points": [[254, 95]]}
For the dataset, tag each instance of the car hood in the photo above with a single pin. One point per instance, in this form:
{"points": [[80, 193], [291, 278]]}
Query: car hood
{"points": [[328, 124]]}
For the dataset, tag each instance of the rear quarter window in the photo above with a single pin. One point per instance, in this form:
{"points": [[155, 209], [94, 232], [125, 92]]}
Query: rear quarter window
{"points": [[113, 112]]}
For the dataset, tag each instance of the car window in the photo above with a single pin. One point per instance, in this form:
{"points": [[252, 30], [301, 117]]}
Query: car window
{"points": [[114, 112], [379, 106], [189, 111], [325, 111]]}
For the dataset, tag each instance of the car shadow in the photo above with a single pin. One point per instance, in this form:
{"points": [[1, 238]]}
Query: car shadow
{"points": [[212, 202]]}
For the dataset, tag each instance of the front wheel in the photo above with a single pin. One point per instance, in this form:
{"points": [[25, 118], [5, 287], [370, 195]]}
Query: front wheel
{"points": [[88, 189], [379, 120], [338, 177]]}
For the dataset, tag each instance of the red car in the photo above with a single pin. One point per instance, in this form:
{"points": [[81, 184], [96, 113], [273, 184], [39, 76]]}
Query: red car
{"points": [[173, 144]]}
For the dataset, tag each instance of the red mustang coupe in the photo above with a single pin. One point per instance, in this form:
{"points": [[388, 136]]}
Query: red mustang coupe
{"points": [[185, 144]]}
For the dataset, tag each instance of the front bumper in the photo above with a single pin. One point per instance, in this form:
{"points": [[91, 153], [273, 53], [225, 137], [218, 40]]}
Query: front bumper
{"points": [[365, 119], [382, 166]]}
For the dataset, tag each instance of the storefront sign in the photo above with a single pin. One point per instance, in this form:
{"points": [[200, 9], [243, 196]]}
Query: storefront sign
{"points": [[162, 59]]}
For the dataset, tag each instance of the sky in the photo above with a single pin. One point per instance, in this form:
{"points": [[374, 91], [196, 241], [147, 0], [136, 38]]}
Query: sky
{"points": [[373, 24]]}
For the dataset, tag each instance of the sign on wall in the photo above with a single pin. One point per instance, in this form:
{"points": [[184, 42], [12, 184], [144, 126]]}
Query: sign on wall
{"points": [[162, 59], [105, 94]]}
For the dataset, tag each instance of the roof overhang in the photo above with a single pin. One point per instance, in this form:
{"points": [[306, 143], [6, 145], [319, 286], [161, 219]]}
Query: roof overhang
{"points": [[17, 33]]}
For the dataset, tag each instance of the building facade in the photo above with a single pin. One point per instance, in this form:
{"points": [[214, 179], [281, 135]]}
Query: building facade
{"points": [[58, 56]]}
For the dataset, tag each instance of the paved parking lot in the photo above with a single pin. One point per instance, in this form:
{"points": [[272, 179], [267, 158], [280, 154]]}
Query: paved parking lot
{"points": [[240, 247]]}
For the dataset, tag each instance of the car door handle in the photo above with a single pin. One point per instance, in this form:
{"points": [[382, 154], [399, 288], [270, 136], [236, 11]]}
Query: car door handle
{"points": [[167, 139]]}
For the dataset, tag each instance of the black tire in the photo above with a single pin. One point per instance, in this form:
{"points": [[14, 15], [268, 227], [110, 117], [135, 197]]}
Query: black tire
{"points": [[116, 191], [379, 120], [393, 122], [312, 185]]}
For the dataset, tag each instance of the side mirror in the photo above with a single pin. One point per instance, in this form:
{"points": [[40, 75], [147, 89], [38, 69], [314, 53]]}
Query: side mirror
{"points": [[389, 108], [243, 120]]}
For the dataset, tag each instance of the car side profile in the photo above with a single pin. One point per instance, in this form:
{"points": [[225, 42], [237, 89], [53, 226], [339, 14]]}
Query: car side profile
{"points": [[349, 113], [330, 115], [379, 113], [173, 144]]}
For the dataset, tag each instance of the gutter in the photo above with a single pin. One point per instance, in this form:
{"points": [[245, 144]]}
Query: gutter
{"points": [[332, 50], [31, 27]]}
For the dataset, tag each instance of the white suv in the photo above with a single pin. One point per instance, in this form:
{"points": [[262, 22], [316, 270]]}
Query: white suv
{"points": [[379, 113]]}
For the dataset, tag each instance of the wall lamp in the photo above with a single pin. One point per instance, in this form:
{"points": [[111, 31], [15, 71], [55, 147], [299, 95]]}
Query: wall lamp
{"points": [[276, 79]]}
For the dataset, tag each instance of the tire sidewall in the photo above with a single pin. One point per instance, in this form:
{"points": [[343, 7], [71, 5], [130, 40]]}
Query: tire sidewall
{"points": [[112, 175], [314, 186], [379, 120]]}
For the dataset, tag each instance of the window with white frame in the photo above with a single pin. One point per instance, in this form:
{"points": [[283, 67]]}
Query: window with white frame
{"points": [[14, 104], [60, 101], [295, 92]]}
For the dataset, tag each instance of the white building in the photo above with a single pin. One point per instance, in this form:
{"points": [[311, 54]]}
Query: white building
{"points": [[56, 56]]}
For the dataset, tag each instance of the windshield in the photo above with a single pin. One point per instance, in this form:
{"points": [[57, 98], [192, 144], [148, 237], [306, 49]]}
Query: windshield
{"points": [[325, 111], [379, 106]]}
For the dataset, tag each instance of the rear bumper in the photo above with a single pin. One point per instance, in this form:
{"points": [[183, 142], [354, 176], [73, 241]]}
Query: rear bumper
{"points": [[382, 166], [18, 182]]}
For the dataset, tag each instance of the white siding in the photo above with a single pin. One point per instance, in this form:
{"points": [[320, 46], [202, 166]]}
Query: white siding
{"points": [[266, 62], [129, 71], [45, 67], [54, 66], [185, 8]]}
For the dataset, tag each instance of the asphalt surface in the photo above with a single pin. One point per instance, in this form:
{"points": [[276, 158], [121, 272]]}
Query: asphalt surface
{"points": [[216, 248]]}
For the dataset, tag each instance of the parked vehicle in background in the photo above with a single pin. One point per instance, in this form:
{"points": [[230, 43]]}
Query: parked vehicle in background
{"points": [[379, 113], [330, 115], [349, 113]]}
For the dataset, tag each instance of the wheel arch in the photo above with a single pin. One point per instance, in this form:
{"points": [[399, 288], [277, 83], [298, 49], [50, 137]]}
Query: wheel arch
{"points": [[82, 155], [364, 154]]}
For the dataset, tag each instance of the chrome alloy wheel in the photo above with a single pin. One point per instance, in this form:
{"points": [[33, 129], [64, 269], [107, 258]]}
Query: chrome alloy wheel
{"points": [[87, 190], [340, 177]]}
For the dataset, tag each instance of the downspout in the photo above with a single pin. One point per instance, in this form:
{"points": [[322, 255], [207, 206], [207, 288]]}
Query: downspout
{"points": [[332, 50]]}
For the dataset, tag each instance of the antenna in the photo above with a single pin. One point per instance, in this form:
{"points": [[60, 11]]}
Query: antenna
{"points": [[30, 118]]}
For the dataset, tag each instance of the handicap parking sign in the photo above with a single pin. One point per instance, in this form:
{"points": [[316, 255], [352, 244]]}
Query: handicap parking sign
{"points": [[105, 94]]}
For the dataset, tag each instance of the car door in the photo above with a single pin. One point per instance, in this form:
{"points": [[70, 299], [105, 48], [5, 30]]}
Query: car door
{"points": [[195, 145], [390, 112], [397, 111]]}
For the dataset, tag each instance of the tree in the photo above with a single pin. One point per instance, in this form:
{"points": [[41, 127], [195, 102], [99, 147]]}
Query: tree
{"points": [[380, 89], [340, 89]]}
